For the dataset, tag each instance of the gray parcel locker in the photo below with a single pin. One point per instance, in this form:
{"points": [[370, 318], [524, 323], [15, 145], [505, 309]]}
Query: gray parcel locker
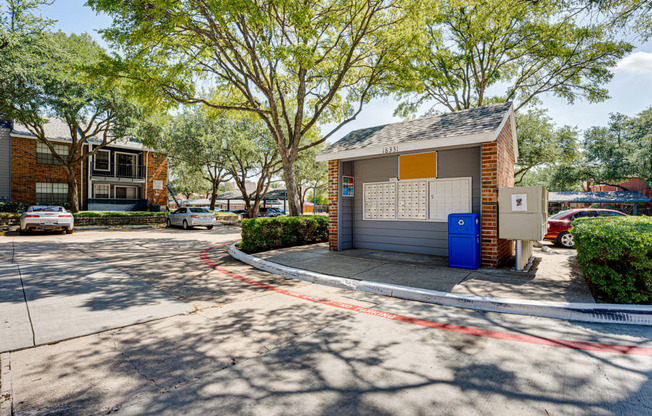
{"points": [[522, 213]]}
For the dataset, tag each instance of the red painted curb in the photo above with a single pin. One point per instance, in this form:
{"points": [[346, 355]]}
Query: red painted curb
{"points": [[530, 339]]}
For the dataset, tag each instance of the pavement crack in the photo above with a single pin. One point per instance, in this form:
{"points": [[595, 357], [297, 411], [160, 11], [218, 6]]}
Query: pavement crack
{"points": [[22, 285], [134, 365]]}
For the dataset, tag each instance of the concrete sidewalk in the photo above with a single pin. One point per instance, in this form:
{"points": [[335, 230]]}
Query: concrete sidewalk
{"points": [[553, 276], [49, 301]]}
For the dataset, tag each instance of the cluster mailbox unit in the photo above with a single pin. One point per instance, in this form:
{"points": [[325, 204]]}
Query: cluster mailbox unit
{"points": [[523, 216], [410, 176]]}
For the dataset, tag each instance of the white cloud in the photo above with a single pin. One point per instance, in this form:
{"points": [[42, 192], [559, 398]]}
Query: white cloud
{"points": [[639, 63]]}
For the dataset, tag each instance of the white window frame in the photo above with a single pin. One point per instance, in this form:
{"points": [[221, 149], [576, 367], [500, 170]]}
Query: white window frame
{"points": [[108, 169], [95, 190], [115, 187]]}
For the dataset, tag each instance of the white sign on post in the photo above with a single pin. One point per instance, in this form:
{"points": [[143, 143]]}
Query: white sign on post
{"points": [[519, 202]]}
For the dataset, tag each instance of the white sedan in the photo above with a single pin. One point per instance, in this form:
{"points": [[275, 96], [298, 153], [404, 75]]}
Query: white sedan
{"points": [[188, 217], [46, 218]]}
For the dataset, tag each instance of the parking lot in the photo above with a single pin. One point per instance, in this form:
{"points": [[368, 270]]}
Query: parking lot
{"points": [[248, 342]]}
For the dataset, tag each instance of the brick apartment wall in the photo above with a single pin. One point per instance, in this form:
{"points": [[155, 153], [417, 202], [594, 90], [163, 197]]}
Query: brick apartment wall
{"points": [[333, 195], [157, 170], [497, 172], [25, 172]]}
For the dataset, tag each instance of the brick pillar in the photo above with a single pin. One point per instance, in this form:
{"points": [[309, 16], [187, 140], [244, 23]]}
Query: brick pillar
{"points": [[497, 172], [333, 198]]}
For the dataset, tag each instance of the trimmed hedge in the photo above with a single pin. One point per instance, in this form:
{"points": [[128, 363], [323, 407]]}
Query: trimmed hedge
{"points": [[615, 255], [83, 214], [264, 233], [12, 207]]}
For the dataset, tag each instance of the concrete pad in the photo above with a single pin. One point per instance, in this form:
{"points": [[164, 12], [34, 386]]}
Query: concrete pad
{"points": [[335, 265], [433, 278], [85, 296], [15, 328]]}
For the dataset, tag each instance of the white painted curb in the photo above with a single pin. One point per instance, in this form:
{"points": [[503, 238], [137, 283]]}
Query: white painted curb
{"points": [[584, 312]]}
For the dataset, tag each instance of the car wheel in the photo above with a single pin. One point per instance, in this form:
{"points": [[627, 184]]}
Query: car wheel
{"points": [[185, 225], [209, 227], [168, 224], [22, 232], [69, 230], [565, 240]]}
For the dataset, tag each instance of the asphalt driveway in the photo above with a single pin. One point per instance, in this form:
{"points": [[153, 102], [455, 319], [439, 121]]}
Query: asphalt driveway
{"points": [[46, 298]]}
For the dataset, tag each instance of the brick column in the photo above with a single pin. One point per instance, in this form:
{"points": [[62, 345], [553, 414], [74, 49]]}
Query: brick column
{"points": [[333, 198], [497, 172]]}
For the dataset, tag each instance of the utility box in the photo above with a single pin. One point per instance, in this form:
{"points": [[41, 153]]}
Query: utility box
{"points": [[464, 241], [522, 213]]}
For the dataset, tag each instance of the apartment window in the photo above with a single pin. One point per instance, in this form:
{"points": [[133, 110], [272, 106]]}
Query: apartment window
{"points": [[102, 191], [51, 193], [45, 157], [102, 160]]}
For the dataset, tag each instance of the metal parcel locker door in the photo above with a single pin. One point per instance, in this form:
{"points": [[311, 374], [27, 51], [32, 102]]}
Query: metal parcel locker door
{"points": [[464, 241]]}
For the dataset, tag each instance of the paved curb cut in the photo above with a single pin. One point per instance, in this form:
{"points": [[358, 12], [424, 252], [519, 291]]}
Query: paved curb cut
{"points": [[6, 396], [584, 312]]}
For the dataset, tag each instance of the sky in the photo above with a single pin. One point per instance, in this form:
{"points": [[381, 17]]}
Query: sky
{"points": [[630, 88]]}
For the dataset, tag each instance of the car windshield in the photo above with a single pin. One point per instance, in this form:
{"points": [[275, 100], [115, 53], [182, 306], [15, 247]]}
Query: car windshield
{"points": [[559, 214], [46, 208], [199, 210]]}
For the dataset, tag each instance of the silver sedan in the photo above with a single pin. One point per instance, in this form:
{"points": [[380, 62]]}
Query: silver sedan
{"points": [[46, 218], [188, 217]]}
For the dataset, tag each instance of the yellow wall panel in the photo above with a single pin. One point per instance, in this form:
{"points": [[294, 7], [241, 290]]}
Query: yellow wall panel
{"points": [[418, 166]]}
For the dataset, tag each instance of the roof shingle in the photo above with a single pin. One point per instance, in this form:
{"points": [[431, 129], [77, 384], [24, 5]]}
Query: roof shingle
{"points": [[461, 123]]}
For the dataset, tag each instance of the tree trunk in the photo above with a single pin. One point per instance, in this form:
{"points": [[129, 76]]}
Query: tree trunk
{"points": [[214, 195], [73, 192], [291, 188]]}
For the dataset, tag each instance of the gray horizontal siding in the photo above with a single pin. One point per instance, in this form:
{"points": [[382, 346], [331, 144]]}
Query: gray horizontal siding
{"points": [[421, 237], [5, 164]]}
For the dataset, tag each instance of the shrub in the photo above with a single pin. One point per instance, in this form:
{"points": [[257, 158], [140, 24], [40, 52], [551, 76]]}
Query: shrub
{"points": [[615, 255], [12, 206], [260, 234], [83, 214]]}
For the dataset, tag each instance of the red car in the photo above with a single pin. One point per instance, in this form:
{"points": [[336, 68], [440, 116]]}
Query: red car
{"points": [[559, 224]]}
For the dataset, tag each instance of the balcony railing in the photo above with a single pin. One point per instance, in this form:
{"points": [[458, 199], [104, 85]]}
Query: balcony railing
{"points": [[122, 171]]}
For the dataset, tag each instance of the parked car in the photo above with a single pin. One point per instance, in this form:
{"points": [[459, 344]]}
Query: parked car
{"points": [[559, 224], [241, 213], [270, 212], [46, 218], [188, 217]]}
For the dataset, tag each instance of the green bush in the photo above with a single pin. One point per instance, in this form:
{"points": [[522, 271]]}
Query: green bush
{"points": [[83, 214], [260, 234], [12, 206], [615, 255]]}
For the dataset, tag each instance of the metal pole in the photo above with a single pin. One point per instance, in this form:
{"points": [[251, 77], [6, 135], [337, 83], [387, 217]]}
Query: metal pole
{"points": [[228, 205], [314, 200], [635, 206]]}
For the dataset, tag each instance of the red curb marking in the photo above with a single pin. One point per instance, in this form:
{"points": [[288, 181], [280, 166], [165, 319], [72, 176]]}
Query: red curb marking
{"points": [[530, 339]]}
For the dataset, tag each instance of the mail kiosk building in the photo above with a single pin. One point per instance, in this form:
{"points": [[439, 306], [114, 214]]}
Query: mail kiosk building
{"points": [[392, 187]]}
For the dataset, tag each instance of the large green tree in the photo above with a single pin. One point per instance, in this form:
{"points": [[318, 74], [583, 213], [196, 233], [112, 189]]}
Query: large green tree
{"points": [[295, 64], [197, 145], [46, 75], [621, 150], [310, 174], [482, 51], [541, 143]]}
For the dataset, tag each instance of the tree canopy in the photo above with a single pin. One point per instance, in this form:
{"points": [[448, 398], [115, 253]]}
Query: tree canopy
{"points": [[541, 143], [47, 75], [296, 65], [477, 52]]}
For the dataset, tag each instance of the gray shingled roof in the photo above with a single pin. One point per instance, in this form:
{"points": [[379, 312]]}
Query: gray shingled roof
{"points": [[597, 197], [461, 123], [56, 129]]}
